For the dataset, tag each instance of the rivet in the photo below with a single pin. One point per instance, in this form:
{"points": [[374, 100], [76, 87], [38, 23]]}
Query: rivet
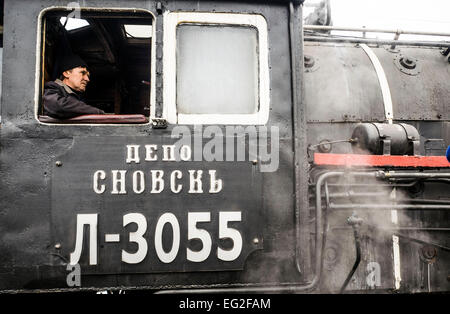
{"points": [[57, 245], [255, 241], [58, 163]]}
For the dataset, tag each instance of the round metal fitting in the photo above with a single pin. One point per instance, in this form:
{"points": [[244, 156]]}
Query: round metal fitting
{"points": [[331, 255], [407, 64], [310, 63], [325, 146], [428, 254], [58, 163]]}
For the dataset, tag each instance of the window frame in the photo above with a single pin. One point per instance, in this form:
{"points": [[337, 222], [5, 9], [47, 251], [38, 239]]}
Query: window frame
{"points": [[171, 22], [40, 57]]}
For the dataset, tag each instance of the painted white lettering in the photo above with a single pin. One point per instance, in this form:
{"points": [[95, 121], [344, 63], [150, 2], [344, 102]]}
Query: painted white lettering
{"points": [[149, 152], [202, 235], [137, 237], [118, 178], [168, 152], [185, 153], [172, 254], [133, 154], [215, 184], [99, 175], [157, 181], [176, 174], [195, 183], [91, 220], [233, 234], [138, 182]]}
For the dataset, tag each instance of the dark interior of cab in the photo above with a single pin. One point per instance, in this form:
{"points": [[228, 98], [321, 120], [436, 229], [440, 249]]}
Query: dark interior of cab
{"points": [[117, 48]]}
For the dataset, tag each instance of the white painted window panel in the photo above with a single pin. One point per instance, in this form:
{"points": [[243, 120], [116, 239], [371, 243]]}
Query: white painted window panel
{"points": [[253, 113], [217, 69]]}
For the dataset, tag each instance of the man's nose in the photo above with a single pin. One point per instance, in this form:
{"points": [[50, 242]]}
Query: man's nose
{"points": [[86, 78]]}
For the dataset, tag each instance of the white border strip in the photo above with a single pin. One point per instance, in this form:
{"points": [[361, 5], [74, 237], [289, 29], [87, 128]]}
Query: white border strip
{"points": [[38, 76], [384, 85], [171, 20], [388, 112]]}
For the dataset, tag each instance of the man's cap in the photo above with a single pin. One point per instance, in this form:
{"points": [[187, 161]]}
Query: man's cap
{"points": [[70, 62]]}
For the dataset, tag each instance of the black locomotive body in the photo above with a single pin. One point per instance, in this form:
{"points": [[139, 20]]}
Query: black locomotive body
{"points": [[241, 153]]}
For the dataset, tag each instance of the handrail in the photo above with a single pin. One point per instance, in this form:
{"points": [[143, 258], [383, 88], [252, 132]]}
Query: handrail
{"points": [[373, 30]]}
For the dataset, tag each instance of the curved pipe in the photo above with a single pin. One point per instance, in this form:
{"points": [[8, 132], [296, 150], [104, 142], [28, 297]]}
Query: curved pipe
{"points": [[357, 261]]}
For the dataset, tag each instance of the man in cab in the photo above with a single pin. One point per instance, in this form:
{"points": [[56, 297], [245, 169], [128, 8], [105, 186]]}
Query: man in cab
{"points": [[63, 98]]}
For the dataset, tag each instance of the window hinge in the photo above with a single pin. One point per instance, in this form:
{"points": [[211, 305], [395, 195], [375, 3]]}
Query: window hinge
{"points": [[159, 123]]}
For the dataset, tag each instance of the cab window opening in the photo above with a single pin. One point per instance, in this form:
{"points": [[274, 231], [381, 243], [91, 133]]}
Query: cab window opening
{"points": [[116, 70]]}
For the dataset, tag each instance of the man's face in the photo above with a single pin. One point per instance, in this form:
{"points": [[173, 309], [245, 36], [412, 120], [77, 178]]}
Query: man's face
{"points": [[77, 78]]}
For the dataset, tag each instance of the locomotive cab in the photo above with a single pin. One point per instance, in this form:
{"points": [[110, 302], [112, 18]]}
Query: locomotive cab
{"points": [[117, 47]]}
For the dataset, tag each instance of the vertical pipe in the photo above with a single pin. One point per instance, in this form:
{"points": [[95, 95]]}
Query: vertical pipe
{"points": [[302, 234]]}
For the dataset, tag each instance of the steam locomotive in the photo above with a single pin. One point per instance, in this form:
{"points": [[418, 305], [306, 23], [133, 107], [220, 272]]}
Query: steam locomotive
{"points": [[242, 151]]}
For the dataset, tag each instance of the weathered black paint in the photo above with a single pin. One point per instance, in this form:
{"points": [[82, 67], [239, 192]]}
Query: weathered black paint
{"points": [[73, 193]]}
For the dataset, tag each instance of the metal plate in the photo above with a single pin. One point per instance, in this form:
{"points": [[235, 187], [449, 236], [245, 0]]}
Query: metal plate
{"points": [[73, 193]]}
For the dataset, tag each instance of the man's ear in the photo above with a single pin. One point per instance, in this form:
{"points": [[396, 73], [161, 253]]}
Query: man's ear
{"points": [[66, 73]]}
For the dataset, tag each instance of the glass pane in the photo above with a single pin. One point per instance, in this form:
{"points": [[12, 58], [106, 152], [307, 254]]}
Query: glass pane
{"points": [[217, 69], [73, 23], [138, 31]]}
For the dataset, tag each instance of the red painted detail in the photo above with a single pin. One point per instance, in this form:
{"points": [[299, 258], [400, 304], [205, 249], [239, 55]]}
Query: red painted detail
{"points": [[380, 160]]}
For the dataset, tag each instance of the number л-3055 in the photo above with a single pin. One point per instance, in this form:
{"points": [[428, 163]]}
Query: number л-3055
{"points": [[164, 256]]}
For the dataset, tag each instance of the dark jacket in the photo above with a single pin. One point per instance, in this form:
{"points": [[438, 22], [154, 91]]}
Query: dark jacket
{"points": [[61, 102]]}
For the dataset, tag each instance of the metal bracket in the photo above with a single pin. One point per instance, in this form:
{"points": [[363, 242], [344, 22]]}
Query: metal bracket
{"points": [[311, 63], [159, 123], [386, 142], [416, 147], [159, 8]]}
